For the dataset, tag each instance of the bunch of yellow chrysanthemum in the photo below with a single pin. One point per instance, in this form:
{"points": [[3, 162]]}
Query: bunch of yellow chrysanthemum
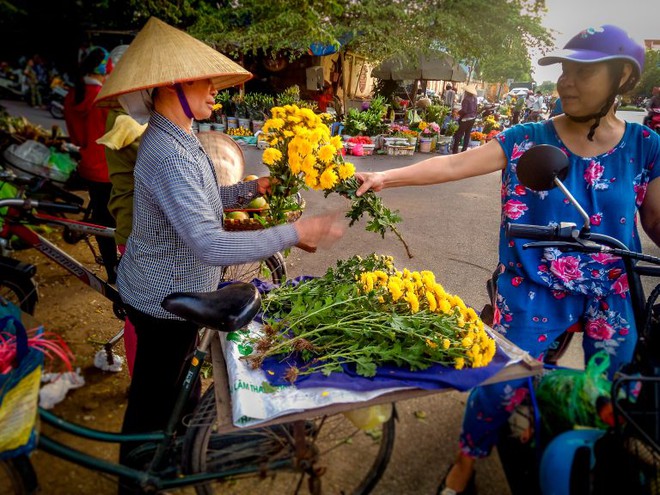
{"points": [[303, 155], [368, 313], [412, 292]]}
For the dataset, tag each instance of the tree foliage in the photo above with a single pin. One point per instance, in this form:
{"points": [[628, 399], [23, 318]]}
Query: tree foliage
{"points": [[651, 75], [491, 34]]}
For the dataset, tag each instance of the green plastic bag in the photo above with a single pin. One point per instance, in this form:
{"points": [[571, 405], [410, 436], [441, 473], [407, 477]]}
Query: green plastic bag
{"points": [[569, 398]]}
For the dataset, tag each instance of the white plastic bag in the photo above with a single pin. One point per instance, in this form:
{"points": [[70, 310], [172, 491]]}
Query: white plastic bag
{"points": [[254, 401]]}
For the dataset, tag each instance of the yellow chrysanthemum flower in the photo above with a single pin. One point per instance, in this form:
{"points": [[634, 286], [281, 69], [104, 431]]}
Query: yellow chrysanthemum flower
{"points": [[310, 181], [309, 163], [446, 343], [411, 299], [466, 342], [336, 142], [271, 156], [326, 153], [431, 344], [295, 163], [430, 298], [459, 363], [328, 179], [275, 124], [444, 306], [305, 147], [346, 170]]}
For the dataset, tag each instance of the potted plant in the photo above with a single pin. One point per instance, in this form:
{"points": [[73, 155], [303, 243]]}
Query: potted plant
{"points": [[241, 111], [258, 108], [428, 136], [228, 108]]}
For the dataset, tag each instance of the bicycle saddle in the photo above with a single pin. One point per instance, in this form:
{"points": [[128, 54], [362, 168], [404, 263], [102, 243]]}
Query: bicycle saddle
{"points": [[226, 309]]}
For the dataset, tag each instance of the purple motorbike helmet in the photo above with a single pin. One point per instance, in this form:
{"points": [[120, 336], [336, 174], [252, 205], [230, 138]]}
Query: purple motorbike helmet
{"points": [[606, 43]]}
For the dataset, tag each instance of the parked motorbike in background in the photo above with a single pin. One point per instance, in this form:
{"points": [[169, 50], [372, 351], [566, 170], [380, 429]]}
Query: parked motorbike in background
{"points": [[11, 84], [56, 100], [652, 120]]}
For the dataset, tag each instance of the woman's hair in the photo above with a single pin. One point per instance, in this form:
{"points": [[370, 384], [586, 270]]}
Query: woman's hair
{"points": [[89, 64]]}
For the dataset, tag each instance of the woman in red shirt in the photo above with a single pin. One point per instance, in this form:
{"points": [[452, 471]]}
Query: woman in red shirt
{"points": [[86, 123]]}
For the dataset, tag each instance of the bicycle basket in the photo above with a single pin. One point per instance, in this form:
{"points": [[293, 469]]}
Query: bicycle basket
{"points": [[19, 387], [254, 223]]}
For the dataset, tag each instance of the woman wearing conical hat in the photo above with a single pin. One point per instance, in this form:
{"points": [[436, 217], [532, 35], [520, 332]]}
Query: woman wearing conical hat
{"points": [[178, 242]]}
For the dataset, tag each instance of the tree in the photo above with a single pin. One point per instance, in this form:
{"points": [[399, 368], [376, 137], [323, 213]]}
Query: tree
{"points": [[651, 75], [547, 87]]}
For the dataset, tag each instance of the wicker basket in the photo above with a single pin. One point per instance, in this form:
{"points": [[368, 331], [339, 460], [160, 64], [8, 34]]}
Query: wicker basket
{"points": [[255, 224]]}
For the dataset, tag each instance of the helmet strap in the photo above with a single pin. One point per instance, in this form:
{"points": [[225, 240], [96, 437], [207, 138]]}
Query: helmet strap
{"points": [[614, 90], [183, 100]]}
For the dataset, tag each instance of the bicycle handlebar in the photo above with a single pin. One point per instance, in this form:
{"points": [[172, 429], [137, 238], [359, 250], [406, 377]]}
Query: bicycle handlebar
{"points": [[28, 204]]}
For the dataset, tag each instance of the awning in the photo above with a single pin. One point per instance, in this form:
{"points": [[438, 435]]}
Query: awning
{"points": [[434, 67]]}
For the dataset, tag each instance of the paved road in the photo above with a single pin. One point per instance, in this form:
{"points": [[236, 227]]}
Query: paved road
{"points": [[452, 230]]}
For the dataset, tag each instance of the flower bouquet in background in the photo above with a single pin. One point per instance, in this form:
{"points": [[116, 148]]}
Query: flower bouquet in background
{"points": [[477, 136], [366, 313], [303, 155], [428, 129]]}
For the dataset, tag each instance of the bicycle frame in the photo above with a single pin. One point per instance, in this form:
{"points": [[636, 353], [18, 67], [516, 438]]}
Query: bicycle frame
{"points": [[34, 240], [164, 441]]}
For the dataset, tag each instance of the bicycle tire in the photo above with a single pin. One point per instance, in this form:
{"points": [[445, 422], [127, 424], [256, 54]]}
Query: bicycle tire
{"points": [[20, 291], [340, 470], [17, 476], [272, 268]]}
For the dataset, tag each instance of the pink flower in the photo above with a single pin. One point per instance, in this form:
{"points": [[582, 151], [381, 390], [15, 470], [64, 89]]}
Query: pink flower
{"points": [[516, 399], [516, 281], [518, 151], [520, 190], [514, 209], [593, 173], [599, 329], [604, 259], [566, 268], [542, 338], [640, 193], [621, 285], [596, 218]]}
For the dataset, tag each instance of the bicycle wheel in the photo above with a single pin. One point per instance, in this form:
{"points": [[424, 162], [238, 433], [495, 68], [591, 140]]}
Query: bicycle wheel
{"points": [[273, 269], [340, 459], [17, 476], [20, 291]]}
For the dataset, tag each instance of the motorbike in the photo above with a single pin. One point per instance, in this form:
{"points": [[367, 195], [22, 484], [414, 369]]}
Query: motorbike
{"points": [[56, 101], [652, 120], [11, 85], [626, 457]]}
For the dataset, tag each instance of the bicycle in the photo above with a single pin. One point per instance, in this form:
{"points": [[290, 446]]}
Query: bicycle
{"points": [[634, 440], [211, 450], [17, 282]]}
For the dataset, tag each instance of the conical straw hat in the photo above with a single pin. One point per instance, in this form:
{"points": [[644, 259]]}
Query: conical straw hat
{"points": [[161, 55]]}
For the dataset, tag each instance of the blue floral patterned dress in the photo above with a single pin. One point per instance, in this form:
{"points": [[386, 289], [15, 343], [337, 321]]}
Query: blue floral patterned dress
{"points": [[543, 292]]}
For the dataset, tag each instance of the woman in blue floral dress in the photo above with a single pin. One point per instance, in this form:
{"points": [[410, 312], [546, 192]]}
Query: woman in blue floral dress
{"points": [[541, 293]]}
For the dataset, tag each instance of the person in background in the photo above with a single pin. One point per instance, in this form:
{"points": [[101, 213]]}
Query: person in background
{"points": [[178, 242], [450, 96], [556, 108], [32, 82], [326, 97], [121, 142], [613, 174], [86, 123], [518, 107], [467, 114]]}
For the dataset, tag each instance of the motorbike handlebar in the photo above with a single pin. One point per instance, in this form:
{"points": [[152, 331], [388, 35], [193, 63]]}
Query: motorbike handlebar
{"points": [[540, 232]]}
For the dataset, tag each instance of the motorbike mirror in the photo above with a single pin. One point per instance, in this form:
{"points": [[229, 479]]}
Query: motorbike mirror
{"points": [[540, 165]]}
